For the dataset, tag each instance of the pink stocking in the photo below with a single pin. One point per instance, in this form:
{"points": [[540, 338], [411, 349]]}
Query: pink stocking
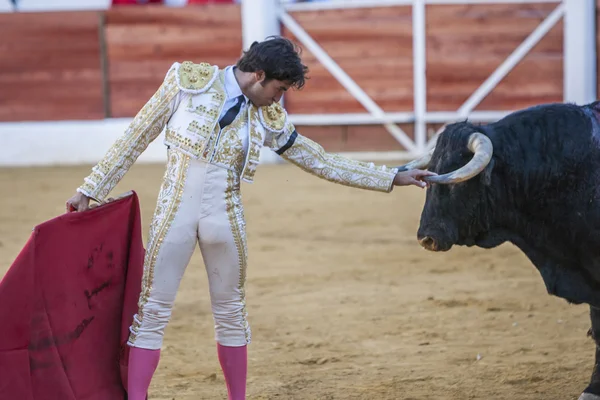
{"points": [[142, 364], [234, 363]]}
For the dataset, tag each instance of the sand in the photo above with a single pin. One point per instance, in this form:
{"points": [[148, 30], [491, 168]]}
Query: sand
{"points": [[342, 301]]}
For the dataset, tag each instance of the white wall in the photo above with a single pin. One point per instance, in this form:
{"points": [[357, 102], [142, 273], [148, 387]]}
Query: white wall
{"points": [[5, 6], [73, 142], [71, 5], [55, 5]]}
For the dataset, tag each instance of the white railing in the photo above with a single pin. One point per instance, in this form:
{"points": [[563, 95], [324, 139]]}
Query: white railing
{"points": [[260, 18], [580, 66], [344, 79], [54, 5], [291, 6]]}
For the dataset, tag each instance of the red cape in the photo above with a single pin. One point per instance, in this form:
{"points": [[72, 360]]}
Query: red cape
{"points": [[66, 304]]}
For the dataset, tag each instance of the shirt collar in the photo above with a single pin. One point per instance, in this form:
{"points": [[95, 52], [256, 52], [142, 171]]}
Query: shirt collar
{"points": [[232, 88]]}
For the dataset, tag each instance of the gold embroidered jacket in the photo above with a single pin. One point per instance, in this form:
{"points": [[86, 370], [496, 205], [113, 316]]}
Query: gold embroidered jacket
{"points": [[188, 104]]}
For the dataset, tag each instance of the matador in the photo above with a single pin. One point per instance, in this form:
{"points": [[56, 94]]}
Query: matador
{"points": [[216, 121]]}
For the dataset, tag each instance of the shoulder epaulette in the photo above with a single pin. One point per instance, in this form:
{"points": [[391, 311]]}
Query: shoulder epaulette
{"points": [[273, 117], [196, 78]]}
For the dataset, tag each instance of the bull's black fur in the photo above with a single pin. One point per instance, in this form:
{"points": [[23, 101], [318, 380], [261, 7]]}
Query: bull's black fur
{"points": [[541, 192]]}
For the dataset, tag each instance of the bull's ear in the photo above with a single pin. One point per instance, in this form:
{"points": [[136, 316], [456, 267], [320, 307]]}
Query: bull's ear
{"points": [[486, 175]]}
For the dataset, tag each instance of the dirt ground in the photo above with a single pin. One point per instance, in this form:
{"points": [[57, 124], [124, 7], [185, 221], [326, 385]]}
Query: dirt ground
{"points": [[343, 303]]}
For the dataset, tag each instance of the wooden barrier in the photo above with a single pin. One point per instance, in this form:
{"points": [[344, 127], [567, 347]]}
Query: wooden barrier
{"points": [[50, 66], [91, 65], [373, 46], [465, 44], [143, 42]]}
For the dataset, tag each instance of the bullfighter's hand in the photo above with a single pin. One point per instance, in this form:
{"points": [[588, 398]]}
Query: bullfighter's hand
{"points": [[109, 200], [78, 203], [412, 177]]}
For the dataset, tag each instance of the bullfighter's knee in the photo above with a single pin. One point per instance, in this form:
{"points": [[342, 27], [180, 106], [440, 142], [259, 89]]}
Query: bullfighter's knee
{"points": [[148, 328], [231, 323]]}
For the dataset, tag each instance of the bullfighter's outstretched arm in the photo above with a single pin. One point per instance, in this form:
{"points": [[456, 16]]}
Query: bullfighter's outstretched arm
{"points": [[311, 157]]}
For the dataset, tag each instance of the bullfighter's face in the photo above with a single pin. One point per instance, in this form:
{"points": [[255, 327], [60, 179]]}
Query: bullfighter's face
{"points": [[263, 91]]}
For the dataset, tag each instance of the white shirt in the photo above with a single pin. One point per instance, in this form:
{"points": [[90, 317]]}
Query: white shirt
{"points": [[235, 139], [232, 91]]}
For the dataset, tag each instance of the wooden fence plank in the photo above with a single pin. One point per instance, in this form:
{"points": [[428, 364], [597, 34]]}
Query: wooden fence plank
{"points": [[465, 44], [374, 46], [50, 66], [143, 42]]}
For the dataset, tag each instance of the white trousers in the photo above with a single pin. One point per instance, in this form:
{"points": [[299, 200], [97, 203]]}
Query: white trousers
{"points": [[198, 203]]}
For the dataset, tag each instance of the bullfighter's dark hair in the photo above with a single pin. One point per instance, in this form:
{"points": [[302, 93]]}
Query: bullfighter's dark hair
{"points": [[278, 57]]}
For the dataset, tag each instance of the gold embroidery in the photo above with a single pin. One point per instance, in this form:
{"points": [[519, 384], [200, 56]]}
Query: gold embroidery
{"points": [[196, 76], [217, 102], [249, 172], [230, 151], [311, 157], [273, 117], [226, 149], [254, 153], [235, 214], [198, 137], [201, 130], [200, 110], [184, 143], [167, 205], [144, 128], [256, 142], [210, 145]]}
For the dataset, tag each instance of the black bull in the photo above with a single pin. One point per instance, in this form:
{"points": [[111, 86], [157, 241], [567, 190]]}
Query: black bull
{"points": [[531, 179]]}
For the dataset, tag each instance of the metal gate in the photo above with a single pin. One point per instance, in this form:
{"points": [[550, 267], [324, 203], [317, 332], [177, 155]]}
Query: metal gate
{"points": [[579, 67]]}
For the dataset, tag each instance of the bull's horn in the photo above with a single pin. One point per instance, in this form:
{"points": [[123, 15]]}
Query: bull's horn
{"points": [[482, 148], [419, 163]]}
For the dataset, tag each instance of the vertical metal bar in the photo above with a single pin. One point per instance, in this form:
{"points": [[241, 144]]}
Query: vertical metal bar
{"points": [[580, 51], [512, 60], [259, 20], [344, 79], [419, 74]]}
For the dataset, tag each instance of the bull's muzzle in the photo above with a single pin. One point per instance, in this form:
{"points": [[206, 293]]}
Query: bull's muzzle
{"points": [[428, 243], [433, 242]]}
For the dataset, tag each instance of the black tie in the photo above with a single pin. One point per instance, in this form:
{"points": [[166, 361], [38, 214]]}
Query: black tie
{"points": [[232, 112]]}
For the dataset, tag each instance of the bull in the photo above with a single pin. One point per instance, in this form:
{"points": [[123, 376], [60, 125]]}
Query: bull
{"points": [[531, 179]]}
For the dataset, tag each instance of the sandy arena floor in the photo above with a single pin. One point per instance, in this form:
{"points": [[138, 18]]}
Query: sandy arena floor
{"points": [[342, 301]]}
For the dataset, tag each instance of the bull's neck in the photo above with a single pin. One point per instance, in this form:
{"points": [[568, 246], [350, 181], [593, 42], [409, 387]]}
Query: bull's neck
{"points": [[560, 220], [530, 233]]}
